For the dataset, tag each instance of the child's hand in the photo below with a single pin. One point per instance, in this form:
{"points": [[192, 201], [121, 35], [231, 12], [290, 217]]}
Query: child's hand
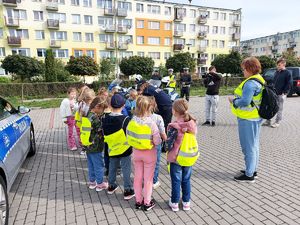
{"points": [[184, 130]]}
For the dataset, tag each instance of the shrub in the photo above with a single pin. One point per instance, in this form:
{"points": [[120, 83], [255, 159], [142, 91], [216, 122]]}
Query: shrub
{"points": [[4, 79]]}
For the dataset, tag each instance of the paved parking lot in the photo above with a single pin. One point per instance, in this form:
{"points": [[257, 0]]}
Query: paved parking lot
{"points": [[51, 187]]}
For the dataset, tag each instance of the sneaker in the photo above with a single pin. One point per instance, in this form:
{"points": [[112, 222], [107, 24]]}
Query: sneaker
{"points": [[186, 206], [244, 178], [149, 206], [73, 149], [267, 123], [128, 194], [213, 123], [254, 174], [138, 205], [173, 206], [275, 125], [112, 189], [82, 152], [92, 185], [102, 186], [206, 123], [156, 184]]}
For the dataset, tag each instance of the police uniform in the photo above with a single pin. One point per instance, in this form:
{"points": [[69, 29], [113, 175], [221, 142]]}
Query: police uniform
{"points": [[185, 82]]}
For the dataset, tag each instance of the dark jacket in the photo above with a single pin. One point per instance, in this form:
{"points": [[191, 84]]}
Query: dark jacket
{"points": [[212, 83], [96, 136], [162, 99], [185, 79], [283, 81]]}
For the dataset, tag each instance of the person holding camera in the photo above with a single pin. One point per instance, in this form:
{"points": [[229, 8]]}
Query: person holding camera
{"points": [[212, 82]]}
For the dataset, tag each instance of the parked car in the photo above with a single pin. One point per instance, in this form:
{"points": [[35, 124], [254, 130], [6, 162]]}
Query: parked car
{"points": [[295, 71], [17, 141]]}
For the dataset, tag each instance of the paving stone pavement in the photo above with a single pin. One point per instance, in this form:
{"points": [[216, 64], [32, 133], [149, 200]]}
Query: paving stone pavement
{"points": [[51, 186]]}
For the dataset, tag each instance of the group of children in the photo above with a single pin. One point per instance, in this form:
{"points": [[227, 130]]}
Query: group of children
{"points": [[114, 132]]}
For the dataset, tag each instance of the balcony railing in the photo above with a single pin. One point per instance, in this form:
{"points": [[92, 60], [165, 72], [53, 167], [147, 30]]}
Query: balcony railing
{"points": [[275, 43], [178, 18], [201, 61], [122, 45], [109, 12], [52, 24], [202, 34], [110, 45], [122, 12], [55, 44], [178, 33], [110, 29], [11, 22], [11, 3], [122, 29], [15, 41], [236, 36], [178, 47], [291, 40], [202, 49], [202, 20], [237, 23], [52, 6]]}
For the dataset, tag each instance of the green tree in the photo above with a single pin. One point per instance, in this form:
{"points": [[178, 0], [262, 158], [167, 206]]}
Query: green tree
{"points": [[291, 58], [181, 60], [106, 67], [229, 63], [82, 66], [137, 65], [163, 71], [23, 66], [50, 75], [266, 62], [62, 74]]}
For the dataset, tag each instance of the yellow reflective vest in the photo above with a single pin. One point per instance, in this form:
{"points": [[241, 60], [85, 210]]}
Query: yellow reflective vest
{"points": [[250, 111], [117, 143], [188, 151], [77, 118], [172, 84], [85, 131], [139, 136]]}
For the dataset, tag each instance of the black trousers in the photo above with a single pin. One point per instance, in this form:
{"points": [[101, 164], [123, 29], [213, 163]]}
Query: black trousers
{"points": [[185, 91]]}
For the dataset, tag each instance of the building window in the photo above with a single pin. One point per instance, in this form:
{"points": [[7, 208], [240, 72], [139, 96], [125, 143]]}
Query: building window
{"points": [[142, 54], [89, 37], [61, 53], [204, 29], [106, 54], [125, 39], [204, 43], [38, 15], [77, 36], [214, 43], [153, 40], [215, 16], [154, 55], [140, 40], [192, 42], [39, 35], [153, 9], [1, 32], [167, 41], [58, 16], [78, 53], [58, 35], [221, 44], [192, 28], [105, 21], [75, 2], [180, 27], [168, 11], [167, 55], [139, 7], [22, 33], [88, 20], [90, 53], [87, 3], [103, 38], [125, 54], [215, 30], [2, 52], [223, 16], [193, 13], [233, 17], [41, 52], [76, 19], [167, 26], [180, 41], [124, 5], [140, 24], [21, 51], [213, 56], [222, 30], [152, 25], [104, 4]]}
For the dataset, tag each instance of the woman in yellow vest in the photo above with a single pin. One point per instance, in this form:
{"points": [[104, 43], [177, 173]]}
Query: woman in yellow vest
{"points": [[244, 106]]}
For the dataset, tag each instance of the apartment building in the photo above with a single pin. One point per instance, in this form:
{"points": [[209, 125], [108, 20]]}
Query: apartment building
{"points": [[272, 45], [116, 29]]}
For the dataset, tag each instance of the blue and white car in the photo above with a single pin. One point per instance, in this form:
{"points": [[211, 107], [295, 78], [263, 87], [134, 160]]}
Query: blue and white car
{"points": [[16, 143]]}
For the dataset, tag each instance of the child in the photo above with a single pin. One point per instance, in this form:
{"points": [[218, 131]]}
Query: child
{"points": [[114, 128], [103, 92], [94, 151], [143, 136], [68, 108], [180, 175], [161, 127], [131, 102]]}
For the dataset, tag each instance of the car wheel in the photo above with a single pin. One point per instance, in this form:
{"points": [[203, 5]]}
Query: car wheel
{"points": [[32, 149], [4, 209]]}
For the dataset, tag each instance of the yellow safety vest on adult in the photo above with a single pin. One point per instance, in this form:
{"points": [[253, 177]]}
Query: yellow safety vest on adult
{"points": [[188, 151], [139, 136], [85, 131], [172, 84], [250, 111], [77, 118], [117, 143]]}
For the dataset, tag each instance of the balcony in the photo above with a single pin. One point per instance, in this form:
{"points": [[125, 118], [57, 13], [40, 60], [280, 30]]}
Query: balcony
{"points": [[202, 49], [202, 34], [14, 41], [11, 22], [109, 12], [178, 33], [291, 40], [201, 61], [178, 18], [10, 3], [178, 47], [122, 12], [110, 29], [53, 24], [122, 29], [237, 23], [110, 46], [202, 20], [55, 44], [236, 36], [275, 43], [122, 46], [235, 48], [52, 6]]}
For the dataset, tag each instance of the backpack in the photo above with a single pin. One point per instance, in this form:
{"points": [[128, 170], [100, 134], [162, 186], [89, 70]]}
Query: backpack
{"points": [[269, 103]]}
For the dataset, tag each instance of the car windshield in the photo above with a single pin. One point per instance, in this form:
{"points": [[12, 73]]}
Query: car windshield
{"points": [[6, 109]]}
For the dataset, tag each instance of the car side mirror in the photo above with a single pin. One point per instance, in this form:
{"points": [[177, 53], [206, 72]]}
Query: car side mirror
{"points": [[23, 109]]}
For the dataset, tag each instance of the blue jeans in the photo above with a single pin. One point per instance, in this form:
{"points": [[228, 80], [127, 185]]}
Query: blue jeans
{"points": [[249, 132], [95, 166], [180, 177], [126, 170], [155, 178]]}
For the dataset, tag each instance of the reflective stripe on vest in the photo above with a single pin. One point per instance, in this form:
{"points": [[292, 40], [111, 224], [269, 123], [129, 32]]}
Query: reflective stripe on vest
{"points": [[85, 131], [248, 112], [188, 152], [117, 143], [139, 136]]}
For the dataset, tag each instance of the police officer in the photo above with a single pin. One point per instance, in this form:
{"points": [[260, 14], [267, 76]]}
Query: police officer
{"points": [[185, 83], [172, 82], [156, 75]]}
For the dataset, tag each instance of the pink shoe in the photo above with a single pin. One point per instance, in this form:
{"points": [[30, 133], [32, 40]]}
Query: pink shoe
{"points": [[73, 148], [92, 185], [102, 186]]}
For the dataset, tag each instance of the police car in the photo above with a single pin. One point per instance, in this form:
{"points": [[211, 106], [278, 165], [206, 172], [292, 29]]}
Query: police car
{"points": [[16, 143]]}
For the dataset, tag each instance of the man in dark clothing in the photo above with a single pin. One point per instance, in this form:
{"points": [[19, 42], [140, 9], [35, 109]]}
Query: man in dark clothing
{"points": [[156, 75], [282, 82], [185, 83], [212, 83]]}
